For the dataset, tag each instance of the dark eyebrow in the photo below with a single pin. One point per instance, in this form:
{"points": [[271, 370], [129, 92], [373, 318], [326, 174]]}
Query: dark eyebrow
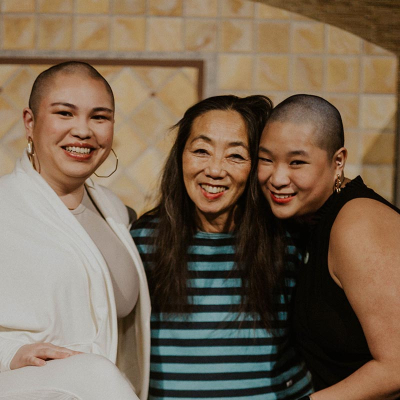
{"points": [[74, 107], [64, 104], [230, 144], [103, 109], [263, 150], [290, 153], [298, 153]]}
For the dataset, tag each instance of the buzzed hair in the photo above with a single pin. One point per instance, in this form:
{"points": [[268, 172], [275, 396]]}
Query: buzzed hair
{"points": [[305, 108], [43, 81]]}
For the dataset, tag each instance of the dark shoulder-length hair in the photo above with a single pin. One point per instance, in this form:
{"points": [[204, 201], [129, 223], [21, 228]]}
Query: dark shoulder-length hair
{"points": [[259, 266]]}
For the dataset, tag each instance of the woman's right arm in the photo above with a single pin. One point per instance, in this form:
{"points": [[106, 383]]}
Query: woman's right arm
{"points": [[364, 260]]}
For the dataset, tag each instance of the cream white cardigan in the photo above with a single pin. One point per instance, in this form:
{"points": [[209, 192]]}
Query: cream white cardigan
{"points": [[54, 283]]}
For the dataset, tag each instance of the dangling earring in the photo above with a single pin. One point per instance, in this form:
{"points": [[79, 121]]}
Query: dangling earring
{"points": [[116, 167], [338, 184], [30, 150]]}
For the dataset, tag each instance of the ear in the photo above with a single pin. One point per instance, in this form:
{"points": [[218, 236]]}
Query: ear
{"points": [[339, 159], [29, 122]]}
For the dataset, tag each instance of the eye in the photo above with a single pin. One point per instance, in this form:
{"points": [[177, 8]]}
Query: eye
{"points": [[200, 151], [237, 156], [100, 117], [264, 160], [297, 162], [64, 113]]}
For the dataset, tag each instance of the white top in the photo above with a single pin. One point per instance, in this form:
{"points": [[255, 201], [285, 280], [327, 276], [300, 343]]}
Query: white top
{"points": [[55, 285], [120, 264]]}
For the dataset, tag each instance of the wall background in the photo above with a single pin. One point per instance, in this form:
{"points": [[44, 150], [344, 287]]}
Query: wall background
{"points": [[247, 47]]}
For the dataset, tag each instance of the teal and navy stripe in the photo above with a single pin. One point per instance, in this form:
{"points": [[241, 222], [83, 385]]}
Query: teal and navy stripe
{"points": [[214, 353]]}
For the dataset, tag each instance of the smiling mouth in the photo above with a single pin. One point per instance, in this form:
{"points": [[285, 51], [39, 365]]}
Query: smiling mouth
{"points": [[213, 189], [78, 150], [282, 198]]}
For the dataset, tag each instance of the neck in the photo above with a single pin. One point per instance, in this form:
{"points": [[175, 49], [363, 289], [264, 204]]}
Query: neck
{"points": [[70, 194], [216, 223], [73, 199]]}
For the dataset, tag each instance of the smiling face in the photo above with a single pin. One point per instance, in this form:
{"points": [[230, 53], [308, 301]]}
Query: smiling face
{"points": [[296, 176], [72, 130], [216, 165]]}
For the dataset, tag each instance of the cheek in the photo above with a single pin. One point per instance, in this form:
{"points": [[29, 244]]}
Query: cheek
{"points": [[106, 136], [263, 174], [242, 174]]}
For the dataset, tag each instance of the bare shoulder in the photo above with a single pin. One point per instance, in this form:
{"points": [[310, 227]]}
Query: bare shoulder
{"points": [[360, 214], [365, 233]]}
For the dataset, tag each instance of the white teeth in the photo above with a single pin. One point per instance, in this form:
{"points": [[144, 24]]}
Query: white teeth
{"points": [[213, 189], [282, 196], [80, 150]]}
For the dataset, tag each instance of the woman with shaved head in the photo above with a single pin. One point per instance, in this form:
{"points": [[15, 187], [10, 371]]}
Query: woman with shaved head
{"points": [[69, 269], [346, 314]]}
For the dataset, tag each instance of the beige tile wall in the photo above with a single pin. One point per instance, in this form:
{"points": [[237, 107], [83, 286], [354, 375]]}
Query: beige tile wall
{"points": [[248, 47]]}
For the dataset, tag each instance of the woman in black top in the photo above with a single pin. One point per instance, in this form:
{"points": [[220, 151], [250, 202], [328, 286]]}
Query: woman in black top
{"points": [[348, 298]]}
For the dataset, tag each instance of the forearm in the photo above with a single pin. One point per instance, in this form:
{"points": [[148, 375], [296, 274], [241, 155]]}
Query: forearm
{"points": [[8, 348], [373, 381]]}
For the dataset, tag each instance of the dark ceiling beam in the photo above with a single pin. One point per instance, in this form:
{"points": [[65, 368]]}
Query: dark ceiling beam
{"points": [[377, 21]]}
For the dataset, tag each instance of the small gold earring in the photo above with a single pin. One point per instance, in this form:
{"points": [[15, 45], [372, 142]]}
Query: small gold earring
{"points": [[116, 167], [338, 184], [30, 150]]}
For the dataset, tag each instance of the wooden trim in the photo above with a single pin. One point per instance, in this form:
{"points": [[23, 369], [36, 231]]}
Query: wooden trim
{"points": [[199, 64]]}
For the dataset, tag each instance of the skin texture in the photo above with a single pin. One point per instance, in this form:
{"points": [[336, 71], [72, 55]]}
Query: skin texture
{"points": [[291, 165], [363, 257], [77, 110], [216, 156]]}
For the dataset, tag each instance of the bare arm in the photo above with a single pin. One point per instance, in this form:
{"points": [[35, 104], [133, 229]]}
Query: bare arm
{"points": [[364, 260]]}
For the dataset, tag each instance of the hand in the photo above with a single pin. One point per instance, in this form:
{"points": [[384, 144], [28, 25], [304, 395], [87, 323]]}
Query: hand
{"points": [[36, 354]]}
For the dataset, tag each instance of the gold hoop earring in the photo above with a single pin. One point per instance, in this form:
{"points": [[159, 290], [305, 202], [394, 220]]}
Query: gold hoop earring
{"points": [[338, 184], [30, 150], [116, 167]]}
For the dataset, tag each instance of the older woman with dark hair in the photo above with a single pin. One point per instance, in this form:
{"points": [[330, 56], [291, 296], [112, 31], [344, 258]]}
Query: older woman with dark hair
{"points": [[219, 286]]}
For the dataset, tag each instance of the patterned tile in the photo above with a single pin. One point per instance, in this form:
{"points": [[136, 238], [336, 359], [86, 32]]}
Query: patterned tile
{"points": [[166, 7], [18, 33], [273, 73], [130, 7], [235, 72], [129, 34], [55, 33], [24, 6], [56, 6], [273, 37], [92, 33], [203, 8]]}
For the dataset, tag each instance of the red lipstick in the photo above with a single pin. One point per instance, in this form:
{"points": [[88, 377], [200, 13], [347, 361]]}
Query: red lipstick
{"points": [[282, 200]]}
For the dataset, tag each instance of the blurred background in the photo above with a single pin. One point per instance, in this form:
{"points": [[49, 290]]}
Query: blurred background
{"points": [[161, 56]]}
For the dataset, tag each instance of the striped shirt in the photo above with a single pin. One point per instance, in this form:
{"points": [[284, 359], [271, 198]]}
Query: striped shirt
{"points": [[213, 353]]}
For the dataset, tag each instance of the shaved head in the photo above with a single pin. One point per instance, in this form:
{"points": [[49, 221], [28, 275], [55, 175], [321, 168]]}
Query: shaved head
{"points": [[309, 109], [44, 81]]}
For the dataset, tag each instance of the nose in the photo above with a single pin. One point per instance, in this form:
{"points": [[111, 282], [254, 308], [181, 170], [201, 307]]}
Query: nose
{"points": [[215, 168], [82, 129], [279, 177]]}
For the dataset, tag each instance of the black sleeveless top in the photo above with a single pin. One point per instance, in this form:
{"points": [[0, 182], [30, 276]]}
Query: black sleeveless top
{"points": [[327, 330]]}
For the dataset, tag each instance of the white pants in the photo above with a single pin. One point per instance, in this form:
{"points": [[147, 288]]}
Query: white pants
{"points": [[80, 377]]}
